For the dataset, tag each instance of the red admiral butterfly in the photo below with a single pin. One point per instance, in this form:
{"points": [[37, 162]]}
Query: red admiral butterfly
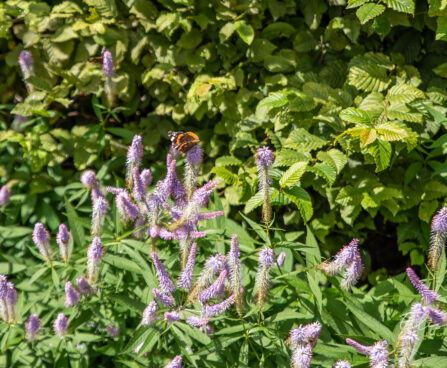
{"points": [[183, 141]]}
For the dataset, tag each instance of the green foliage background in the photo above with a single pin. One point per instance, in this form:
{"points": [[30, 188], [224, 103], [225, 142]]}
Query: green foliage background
{"points": [[351, 95]]}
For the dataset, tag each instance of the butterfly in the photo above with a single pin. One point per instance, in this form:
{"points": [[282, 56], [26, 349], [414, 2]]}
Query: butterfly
{"points": [[183, 141]]}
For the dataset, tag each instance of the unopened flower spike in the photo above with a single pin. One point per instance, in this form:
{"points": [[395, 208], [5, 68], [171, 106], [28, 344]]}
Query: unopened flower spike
{"points": [[166, 284], [94, 255], [175, 363], [109, 71], [438, 236], [172, 316], [113, 331], [428, 296], [150, 314], [41, 238], [72, 296], [32, 328], [139, 191], [3, 291], [5, 195], [185, 278], [88, 179], [215, 290], [234, 264], [165, 298], [378, 353], [83, 285], [436, 316], [264, 160], [65, 242], [26, 63], [61, 325], [197, 321], [100, 207], [215, 309], [11, 302], [262, 285]]}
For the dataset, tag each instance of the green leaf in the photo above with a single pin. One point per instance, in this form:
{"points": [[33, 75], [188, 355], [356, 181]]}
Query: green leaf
{"points": [[287, 157], [228, 161], [441, 30], [324, 171], [404, 93], [245, 31], [75, 226], [106, 8], [293, 174], [404, 6], [333, 157], [227, 175], [275, 99], [194, 333], [392, 131], [381, 151], [138, 337], [39, 83], [122, 263], [441, 70], [354, 115], [302, 200], [315, 288], [301, 140], [369, 11]]}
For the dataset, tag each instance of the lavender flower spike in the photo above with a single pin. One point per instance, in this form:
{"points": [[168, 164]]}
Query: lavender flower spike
{"points": [[164, 298], [94, 254], [150, 314], [134, 156], [41, 238], [264, 160], [126, 209], [65, 242], [166, 284], [342, 364], [71, 295], [362, 349], [437, 316], [212, 310], [377, 353], [302, 356], [262, 284], [408, 339], [438, 237], [234, 264], [3, 291], [194, 158], [5, 194], [32, 328], [215, 290], [352, 274], [172, 316], [108, 70], [100, 206], [61, 325], [88, 179], [175, 363], [11, 302], [83, 285], [139, 192], [185, 278], [342, 259], [26, 63], [197, 321], [428, 296], [146, 178]]}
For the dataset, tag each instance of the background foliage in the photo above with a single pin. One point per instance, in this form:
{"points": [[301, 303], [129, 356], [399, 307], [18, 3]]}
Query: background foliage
{"points": [[352, 96]]}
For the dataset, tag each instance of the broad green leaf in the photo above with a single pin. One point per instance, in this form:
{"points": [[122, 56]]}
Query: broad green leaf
{"points": [[138, 338], [441, 70], [391, 131], [315, 288], [333, 157], [404, 93], [325, 171], [245, 31], [404, 6], [301, 140], [354, 115], [293, 174], [122, 263], [302, 200], [75, 226], [228, 161], [227, 175], [369, 11], [381, 151]]}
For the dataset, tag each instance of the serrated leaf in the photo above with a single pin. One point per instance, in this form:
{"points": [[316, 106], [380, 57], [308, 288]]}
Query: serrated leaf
{"points": [[227, 175], [404, 6], [39, 83], [228, 161], [293, 174], [404, 93], [381, 151], [369, 11], [333, 157], [275, 99], [257, 200], [325, 171], [392, 131], [287, 157], [302, 200], [106, 8], [354, 115], [301, 140]]}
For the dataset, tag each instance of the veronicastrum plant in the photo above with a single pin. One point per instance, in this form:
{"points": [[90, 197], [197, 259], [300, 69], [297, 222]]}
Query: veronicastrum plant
{"points": [[144, 273]]}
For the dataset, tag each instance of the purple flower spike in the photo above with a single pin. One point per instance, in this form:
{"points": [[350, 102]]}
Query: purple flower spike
{"points": [[175, 363], [210, 215], [71, 295], [438, 237], [439, 221], [11, 301], [3, 286], [166, 284], [215, 290], [146, 178], [4, 195], [61, 325], [197, 321], [113, 331], [436, 316], [281, 258], [107, 64], [428, 296], [127, 210], [172, 316], [195, 155], [214, 309], [150, 314], [185, 278], [165, 299], [88, 179], [64, 240], [32, 327], [362, 349], [298, 335], [41, 238], [264, 156], [202, 195], [26, 63], [377, 353], [302, 356], [94, 254], [83, 285], [342, 364], [100, 207], [266, 257]]}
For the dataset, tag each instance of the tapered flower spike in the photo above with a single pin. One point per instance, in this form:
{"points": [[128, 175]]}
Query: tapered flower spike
{"points": [[139, 191], [352, 274], [61, 325], [303, 340], [175, 363], [302, 356], [88, 179], [164, 298], [410, 335], [94, 255], [41, 238], [185, 278], [100, 207], [438, 237], [5, 194], [172, 316], [11, 302], [127, 210], [146, 178], [150, 314], [72, 296], [194, 158], [215, 309], [234, 264], [113, 331], [262, 284], [280, 259], [436, 316], [165, 281], [343, 258], [264, 160], [109, 71], [83, 285], [32, 328], [215, 290], [26, 63], [3, 291], [428, 296], [198, 321], [65, 242], [342, 364], [378, 353]]}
